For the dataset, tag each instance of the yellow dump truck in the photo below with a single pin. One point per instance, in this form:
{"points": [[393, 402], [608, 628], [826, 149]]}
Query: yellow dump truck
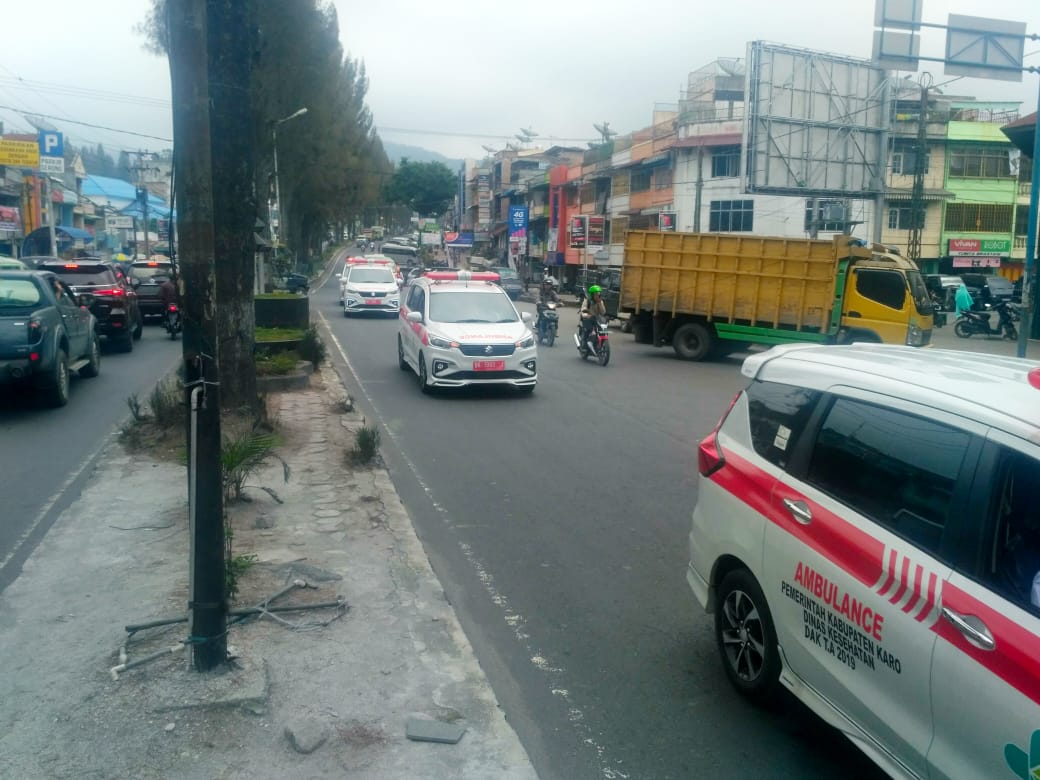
{"points": [[711, 293]]}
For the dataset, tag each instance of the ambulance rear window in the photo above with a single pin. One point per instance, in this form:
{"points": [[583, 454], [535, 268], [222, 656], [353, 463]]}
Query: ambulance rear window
{"points": [[778, 416]]}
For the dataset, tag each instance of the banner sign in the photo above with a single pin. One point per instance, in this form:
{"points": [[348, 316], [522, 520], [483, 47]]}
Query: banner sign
{"points": [[10, 219], [577, 230], [596, 230], [666, 221], [19, 154]]}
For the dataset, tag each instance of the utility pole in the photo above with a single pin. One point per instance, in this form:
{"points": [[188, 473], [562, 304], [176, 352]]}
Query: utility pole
{"points": [[195, 226], [917, 206], [142, 196]]}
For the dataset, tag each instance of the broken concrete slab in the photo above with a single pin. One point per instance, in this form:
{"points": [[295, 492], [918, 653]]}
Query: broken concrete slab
{"points": [[425, 730]]}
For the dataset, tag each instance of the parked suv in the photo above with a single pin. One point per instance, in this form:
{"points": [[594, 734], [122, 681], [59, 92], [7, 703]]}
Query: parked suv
{"points": [[867, 535], [509, 280], [113, 300], [146, 276]]}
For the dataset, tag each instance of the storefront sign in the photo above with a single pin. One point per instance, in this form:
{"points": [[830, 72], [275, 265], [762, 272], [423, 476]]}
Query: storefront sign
{"points": [[666, 221], [975, 261], [980, 246]]}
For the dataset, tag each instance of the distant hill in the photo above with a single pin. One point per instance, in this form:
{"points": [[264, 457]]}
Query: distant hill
{"points": [[417, 154]]}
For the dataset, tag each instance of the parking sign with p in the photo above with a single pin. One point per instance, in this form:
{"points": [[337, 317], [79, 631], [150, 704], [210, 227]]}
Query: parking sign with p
{"points": [[51, 144]]}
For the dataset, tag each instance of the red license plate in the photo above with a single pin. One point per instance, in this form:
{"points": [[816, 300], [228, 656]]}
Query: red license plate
{"points": [[372, 301], [489, 365]]}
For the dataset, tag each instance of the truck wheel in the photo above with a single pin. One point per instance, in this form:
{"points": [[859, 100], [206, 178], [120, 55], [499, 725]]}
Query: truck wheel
{"points": [[93, 368], [58, 393], [692, 341]]}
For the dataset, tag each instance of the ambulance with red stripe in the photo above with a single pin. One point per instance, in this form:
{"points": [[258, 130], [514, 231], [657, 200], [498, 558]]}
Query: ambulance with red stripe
{"points": [[459, 328], [867, 535]]}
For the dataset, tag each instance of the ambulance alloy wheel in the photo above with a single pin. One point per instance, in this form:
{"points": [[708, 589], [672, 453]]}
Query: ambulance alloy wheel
{"points": [[746, 638]]}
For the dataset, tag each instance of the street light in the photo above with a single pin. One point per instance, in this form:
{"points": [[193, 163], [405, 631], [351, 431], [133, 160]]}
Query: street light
{"points": [[277, 190]]}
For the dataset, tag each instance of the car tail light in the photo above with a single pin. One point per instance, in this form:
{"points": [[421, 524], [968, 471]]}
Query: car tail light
{"points": [[34, 356], [709, 454], [35, 332]]}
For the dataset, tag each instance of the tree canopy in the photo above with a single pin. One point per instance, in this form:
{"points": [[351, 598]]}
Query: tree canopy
{"points": [[424, 187]]}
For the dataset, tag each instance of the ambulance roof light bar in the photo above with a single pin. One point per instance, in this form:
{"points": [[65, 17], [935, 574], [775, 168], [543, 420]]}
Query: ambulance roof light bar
{"points": [[462, 276]]}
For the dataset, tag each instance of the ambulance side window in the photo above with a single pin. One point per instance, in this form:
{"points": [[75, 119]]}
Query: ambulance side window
{"points": [[898, 469], [778, 416], [1012, 564]]}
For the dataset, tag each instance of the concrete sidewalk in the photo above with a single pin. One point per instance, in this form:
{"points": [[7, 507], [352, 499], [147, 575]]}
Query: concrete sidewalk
{"points": [[328, 693]]}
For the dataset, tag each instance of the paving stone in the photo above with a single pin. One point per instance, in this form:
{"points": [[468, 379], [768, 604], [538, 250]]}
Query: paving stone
{"points": [[306, 734]]}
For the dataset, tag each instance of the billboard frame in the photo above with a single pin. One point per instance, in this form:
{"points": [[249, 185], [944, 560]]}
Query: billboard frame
{"points": [[815, 124]]}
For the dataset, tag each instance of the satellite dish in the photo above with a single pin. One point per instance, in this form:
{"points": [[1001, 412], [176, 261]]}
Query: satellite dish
{"points": [[489, 149], [512, 147], [605, 131], [528, 132]]}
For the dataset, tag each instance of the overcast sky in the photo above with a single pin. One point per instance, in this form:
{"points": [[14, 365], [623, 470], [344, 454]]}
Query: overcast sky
{"points": [[442, 72]]}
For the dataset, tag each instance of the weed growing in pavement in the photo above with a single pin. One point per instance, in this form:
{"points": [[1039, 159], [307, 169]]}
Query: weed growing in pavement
{"points": [[311, 347], [166, 404], [242, 454], [366, 445], [237, 566], [135, 408]]}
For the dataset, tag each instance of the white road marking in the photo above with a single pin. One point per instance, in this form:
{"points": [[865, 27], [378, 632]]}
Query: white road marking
{"points": [[512, 619]]}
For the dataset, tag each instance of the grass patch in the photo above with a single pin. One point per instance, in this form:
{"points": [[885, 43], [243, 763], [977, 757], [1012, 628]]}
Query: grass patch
{"points": [[366, 446], [276, 294], [278, 334], [277, 364]]}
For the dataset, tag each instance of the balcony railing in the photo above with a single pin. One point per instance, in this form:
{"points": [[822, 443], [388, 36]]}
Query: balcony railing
{"points": [[1025, 188], [1020, 242]]}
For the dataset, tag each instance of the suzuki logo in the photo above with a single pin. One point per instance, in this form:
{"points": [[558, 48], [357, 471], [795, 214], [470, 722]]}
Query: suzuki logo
{"points": [[488, 349]]}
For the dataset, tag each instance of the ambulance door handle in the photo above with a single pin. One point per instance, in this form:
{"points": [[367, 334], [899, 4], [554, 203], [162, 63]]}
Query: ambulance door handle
{"points": [[973, 628], [799, 511]]}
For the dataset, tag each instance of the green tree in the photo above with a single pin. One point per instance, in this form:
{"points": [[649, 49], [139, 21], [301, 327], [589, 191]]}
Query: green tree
{"points": [[424, 187]]}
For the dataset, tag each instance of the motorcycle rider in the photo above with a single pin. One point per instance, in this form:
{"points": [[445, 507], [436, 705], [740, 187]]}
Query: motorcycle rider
{"points": [[592, 308], [963, 301], [169, 293], [546, 294]]}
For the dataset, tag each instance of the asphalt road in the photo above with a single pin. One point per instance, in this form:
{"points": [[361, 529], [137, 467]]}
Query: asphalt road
{"points": [[558, 525], [46, 454]]}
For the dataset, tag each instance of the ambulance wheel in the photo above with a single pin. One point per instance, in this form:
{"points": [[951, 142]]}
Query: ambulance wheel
{"points": [[746, 637]]}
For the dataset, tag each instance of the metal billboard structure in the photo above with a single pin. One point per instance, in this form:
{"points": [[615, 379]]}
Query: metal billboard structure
{"points": [[815, 124]]}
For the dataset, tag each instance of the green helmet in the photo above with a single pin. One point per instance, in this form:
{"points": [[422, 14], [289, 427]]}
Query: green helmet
{"points": [[595, 289]]}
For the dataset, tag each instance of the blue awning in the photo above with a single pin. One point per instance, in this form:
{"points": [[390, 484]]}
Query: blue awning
{"points": [[75, 233]]}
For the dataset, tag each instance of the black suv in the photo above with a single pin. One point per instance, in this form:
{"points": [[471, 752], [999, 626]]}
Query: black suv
{"points": [[113, 301], [146, 278], [988, 289]]}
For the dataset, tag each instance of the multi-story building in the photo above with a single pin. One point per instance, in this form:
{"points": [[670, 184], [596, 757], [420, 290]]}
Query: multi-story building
{"points": [[981, 172]]}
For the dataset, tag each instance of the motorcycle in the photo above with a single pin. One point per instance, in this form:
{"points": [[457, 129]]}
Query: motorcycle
{"points": [[972, 323], [173, 320], [548, 323], [597, 342]]}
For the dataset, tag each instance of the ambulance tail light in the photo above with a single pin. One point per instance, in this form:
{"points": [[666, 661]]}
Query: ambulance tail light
{"points": [[709, 454]]}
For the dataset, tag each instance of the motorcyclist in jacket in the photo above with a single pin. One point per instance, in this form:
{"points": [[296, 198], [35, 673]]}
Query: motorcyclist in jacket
{"points": [[169, 293], [546, 294], [592, 308]]}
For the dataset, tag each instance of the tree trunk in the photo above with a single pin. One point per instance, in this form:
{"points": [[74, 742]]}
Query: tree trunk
{"points": [[231, 43]]}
